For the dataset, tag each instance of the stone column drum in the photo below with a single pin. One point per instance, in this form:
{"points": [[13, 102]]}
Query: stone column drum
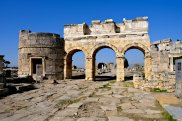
{"points": [[120, 68]]}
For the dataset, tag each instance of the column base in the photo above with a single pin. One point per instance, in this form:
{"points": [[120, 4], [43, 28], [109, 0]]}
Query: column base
{"points": [[89, 79], [119, 79]]}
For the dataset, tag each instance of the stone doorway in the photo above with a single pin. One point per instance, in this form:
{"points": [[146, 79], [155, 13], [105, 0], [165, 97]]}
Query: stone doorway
{"points": [[36, 67]]}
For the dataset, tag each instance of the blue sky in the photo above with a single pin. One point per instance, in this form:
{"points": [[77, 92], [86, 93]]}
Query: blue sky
{"points": [[165, 18]]}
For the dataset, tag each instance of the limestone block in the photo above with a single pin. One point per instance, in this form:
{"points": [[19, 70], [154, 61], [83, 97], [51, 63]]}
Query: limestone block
{"points": [[168, 48], [156, 42], [175, 51], [96, 22]]}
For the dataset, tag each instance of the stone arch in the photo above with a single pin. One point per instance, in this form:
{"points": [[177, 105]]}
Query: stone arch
{"points": [[68, 60], [147, 56], [72, 50], [138, 46], [90, 69]]}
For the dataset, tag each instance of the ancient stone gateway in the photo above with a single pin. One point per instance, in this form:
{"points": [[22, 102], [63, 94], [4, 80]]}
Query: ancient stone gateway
{"points": [[119, 37], [50, 56]]}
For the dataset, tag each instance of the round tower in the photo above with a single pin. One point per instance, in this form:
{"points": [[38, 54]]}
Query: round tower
{"points": [[40, 55]]}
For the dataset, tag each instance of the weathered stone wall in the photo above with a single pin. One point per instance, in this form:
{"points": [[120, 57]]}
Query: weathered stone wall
{"points": [[119, 37], [139, 24], [163, 55], [46, 46]]}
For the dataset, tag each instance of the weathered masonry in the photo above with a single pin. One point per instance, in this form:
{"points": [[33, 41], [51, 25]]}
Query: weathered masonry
{"points": [[50, 56], [119, 37], [41, 54]]}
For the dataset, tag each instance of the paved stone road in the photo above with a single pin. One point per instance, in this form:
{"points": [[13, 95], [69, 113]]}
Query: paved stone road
{"points": [[81, 100]]}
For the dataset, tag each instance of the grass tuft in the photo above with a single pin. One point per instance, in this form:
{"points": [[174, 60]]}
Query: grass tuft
{"points": [[168, 116], [158, 90]]}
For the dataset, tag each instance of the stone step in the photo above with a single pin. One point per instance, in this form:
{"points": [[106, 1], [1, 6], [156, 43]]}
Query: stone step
{"points": [[4, 92], [25, 87], [20, 87], [1, 85], [1, 79]]}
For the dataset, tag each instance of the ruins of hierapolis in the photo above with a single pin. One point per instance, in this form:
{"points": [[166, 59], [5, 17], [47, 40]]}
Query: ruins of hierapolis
{"points": [[50, 56]]}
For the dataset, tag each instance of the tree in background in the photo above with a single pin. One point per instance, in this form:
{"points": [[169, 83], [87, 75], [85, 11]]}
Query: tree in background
{"points": [[6, 63]]}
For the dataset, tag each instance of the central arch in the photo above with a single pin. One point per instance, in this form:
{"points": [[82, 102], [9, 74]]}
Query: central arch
{"points": [[101, 46], [92, 55]]}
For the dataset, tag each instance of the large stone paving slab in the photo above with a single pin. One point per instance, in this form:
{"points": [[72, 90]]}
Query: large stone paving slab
{"points": [[81, 100]]}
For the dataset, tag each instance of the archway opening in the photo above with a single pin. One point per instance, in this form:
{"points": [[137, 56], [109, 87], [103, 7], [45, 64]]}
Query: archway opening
{"points": [[105, 64], [135, 59], [75, 65]]}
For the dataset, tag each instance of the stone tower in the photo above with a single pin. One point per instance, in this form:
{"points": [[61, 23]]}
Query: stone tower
{"points": [[40, 54]]}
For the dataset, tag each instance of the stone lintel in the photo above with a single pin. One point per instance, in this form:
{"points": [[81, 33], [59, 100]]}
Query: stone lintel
{"points": [[120, 35], [175, 55]]}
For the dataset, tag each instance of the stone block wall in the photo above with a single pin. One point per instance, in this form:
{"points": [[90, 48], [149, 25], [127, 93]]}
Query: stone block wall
{"points": [[163, 55]]}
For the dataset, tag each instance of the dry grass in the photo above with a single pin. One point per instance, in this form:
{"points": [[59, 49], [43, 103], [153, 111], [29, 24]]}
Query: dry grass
{"points": [[168, 99]]}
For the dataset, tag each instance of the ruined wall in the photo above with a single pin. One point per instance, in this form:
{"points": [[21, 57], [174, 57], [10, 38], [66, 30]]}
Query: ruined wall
{"points": [[137, 25], [48, 47], [163, 53]]}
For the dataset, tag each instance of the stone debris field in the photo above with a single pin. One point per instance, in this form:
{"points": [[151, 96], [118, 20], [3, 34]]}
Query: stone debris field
{"points": [[80, 100]]}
